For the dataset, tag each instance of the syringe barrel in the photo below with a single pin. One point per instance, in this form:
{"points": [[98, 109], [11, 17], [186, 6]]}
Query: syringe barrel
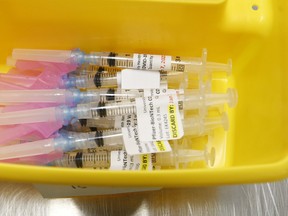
{"points": [[106, 79], [112, 80], [103, 123], [102, 109], [142, 61], [93, 158], [103, 95], [93, 139], [101, 159], [113, 122], [95, 79], [80, 159], [138, 61]]}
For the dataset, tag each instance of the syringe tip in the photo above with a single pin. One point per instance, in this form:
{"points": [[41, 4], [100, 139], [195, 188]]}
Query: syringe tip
{"points": [[233, 97]]}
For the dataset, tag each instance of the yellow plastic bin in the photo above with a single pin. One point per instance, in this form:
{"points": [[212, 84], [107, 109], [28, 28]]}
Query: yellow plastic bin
{"points": [[252, 32]]}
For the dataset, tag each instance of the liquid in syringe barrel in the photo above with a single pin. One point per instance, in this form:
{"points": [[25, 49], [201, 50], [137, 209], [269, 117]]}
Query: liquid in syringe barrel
{"points": [[102, 159], [93, 158], [142, 61]]}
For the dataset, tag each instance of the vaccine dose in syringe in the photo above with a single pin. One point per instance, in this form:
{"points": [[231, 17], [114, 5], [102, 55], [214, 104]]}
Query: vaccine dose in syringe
{"points": [[123, 60]]}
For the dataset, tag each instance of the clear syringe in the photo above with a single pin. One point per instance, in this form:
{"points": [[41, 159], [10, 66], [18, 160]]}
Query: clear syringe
{"points": [[193, 126], [198, 101], [188, 100], [178, 158], [97, 76], [193, 101], [123, 60], [69, 141], [105, 79]]}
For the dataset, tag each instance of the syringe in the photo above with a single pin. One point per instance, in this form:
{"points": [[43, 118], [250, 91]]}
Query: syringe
{"points": [[193, 126], [105, 79], [64, 96], [81, 79], [178, 158], [68, 141], [123, 60], [94, 76], [194, 101]]}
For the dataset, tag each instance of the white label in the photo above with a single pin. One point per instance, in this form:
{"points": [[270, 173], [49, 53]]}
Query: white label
{"points": [[151, 62], [156, 92], [132, 92], [120, 160], [125, 121], [134, 146], [139, 79], [162, 91], [127, 94], [119, 80], [159, 118]]}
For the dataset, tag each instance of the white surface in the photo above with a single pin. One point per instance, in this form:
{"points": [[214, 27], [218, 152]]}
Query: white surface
{"points": [[134, 146], [120, 160], [139, 79], [243, 200], [157, 92], [125, 121], [159, 118], [151, 62]]}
